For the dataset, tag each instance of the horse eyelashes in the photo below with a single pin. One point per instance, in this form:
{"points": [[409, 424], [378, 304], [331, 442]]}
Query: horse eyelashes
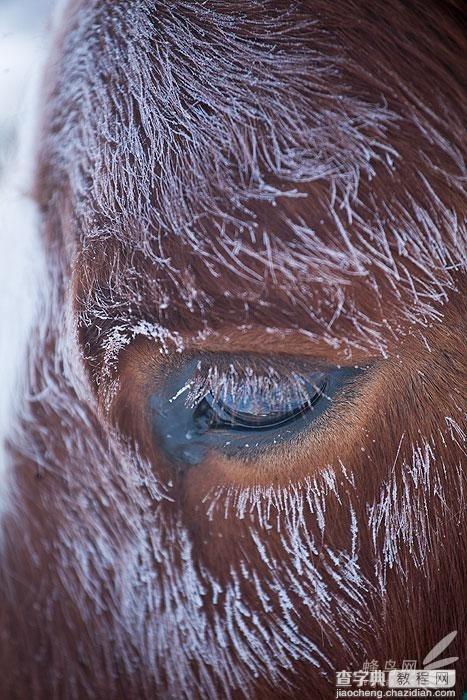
{"points": [[240, 405], [245, 400]]}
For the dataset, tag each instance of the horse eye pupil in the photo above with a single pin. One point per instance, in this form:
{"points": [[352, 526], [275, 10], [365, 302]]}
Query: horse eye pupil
{"points": [[228, 405], [246, 410]]}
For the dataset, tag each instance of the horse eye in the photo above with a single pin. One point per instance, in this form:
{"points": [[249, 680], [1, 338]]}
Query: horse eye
{"points": [[244, 408], [241, 406]]}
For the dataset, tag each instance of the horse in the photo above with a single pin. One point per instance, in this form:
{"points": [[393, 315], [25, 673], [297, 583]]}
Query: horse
{"points": [[235, 459]]}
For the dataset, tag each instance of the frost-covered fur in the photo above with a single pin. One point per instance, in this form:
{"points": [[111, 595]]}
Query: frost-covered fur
{"points": [[206, 172], [255, 150]]}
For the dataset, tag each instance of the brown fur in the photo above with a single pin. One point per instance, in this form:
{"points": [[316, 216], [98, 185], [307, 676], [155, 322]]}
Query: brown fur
{"points": [[89, 485]]}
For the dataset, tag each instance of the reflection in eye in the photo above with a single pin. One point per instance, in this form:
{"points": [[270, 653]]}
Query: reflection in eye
{"points": [[242, 407], [259, 408]]}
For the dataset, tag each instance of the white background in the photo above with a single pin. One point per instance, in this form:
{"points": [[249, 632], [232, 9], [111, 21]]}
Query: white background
{"points": [[24, 32]]}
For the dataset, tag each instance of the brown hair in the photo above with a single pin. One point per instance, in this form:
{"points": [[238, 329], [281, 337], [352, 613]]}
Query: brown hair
{"points": [[269, 177]]}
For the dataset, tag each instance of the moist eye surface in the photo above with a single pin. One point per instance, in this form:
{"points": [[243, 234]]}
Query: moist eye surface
{"points": [[240, 405], [267, 408]]}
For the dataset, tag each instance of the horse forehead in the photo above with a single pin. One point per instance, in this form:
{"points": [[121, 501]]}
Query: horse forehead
{"points": [[189, 146], [142, 116]]}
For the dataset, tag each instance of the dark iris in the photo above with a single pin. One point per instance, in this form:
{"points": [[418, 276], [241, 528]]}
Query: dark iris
{"points": [[242, 406], [255, 412]]}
